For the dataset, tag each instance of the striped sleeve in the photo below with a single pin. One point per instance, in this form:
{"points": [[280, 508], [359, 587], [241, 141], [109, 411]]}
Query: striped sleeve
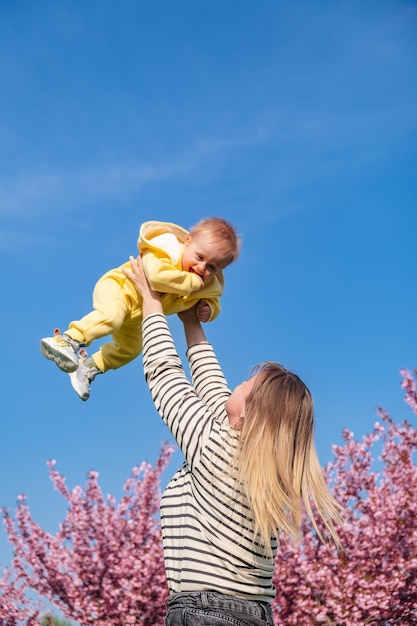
{"points": [[208, 378], [186, 414]]}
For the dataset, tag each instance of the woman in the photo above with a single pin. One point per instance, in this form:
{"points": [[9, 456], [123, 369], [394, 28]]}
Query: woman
{"points": [[250, 465]]}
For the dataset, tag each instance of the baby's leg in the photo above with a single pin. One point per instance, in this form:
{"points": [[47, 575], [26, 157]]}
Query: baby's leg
{"points": [[111, 306], [126, 346]]}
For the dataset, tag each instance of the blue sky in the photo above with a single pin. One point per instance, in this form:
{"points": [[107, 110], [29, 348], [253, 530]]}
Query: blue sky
{"points": [[294, 120]]}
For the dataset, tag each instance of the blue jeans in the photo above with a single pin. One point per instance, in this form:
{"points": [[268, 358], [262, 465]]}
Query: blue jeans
{"points": [[209, 608]]}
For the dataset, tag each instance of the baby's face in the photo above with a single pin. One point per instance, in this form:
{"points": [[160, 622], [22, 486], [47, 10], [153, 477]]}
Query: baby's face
{"points": [[202, 256]]}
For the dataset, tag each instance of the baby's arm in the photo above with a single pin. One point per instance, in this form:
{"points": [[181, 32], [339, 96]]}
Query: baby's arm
{"points": [[164, 277]]}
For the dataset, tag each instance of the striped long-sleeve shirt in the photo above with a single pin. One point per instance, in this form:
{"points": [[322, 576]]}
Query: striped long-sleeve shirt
{"points": [[207, 527]]}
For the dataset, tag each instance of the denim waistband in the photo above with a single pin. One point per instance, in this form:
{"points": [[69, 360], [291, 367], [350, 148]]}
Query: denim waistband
{"points": [[216, 600]]}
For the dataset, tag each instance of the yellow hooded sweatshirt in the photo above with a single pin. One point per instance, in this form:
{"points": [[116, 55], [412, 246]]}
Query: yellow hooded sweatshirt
{"points": [[118, 306]]}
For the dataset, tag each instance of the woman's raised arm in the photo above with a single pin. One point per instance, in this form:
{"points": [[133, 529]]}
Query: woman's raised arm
{"points": [[193, 329]]}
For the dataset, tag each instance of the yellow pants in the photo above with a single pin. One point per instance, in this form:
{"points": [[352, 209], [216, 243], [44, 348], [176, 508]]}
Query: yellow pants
{"points": [[117, 312]]}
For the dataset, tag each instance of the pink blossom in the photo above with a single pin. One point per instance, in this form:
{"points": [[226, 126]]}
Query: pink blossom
{"points": [[105, 563], [409, 385], [374, 579], [15, 606]]}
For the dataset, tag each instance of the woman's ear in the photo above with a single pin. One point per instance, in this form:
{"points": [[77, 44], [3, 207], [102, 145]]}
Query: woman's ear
{"points": [[239, 423]]}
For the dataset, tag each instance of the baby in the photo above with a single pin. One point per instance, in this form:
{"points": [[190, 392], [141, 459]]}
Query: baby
{"points": [[185, 267]]}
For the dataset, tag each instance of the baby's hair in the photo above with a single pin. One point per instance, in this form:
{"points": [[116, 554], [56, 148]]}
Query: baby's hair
{"points": [[222, 232]]}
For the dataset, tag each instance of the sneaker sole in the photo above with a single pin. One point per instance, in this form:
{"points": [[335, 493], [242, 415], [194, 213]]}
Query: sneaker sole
{"points": [[64, 362]]}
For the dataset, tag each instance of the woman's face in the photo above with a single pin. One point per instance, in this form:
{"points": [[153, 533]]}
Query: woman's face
{"points": [[235, 404]]}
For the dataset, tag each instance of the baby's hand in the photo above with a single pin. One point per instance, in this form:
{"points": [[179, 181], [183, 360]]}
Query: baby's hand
{"points": [[203, 311], [201, 279]]}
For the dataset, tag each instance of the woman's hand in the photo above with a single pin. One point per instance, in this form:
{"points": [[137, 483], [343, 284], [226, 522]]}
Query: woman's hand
{"points": [[189, 315], [151, 299], [200, 311], [204, 311]]}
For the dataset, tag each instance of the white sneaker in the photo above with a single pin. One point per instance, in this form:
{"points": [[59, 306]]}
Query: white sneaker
{"points": [[62, 350], [82, 378]]}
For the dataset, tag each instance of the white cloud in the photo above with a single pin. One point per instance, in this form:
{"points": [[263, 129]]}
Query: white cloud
{"points": [[42, 192]]}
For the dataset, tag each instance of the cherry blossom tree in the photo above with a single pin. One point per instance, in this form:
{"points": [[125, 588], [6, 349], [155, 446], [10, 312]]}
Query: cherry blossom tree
{"points": [[15, 606], [374, 579], [409, 384], [105, 564]]}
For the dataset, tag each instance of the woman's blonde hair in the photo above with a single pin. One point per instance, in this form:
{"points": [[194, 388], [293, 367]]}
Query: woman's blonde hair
{"points": [[277, 464], [223, 233]]}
